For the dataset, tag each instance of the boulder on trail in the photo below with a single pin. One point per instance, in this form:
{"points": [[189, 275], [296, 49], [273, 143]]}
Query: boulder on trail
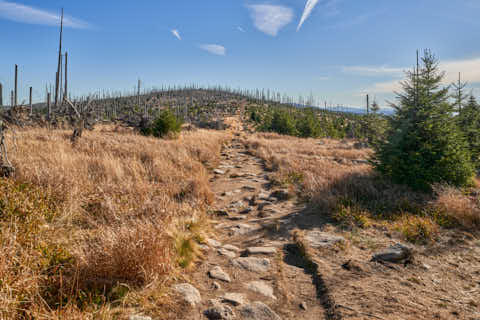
{"points": [[213, 243], [226, 253], [218, 273], [137, 317], [397, 253], [219, 311], [231, 248], [262, 288], [319, 239], [242, 228], [235, 299], [257, 311], [252, 264], [261, 250], [189, 293]]}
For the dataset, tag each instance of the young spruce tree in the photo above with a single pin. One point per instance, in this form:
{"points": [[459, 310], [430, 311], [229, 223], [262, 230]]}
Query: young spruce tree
{"points": [[469, 122], [424, 145]]}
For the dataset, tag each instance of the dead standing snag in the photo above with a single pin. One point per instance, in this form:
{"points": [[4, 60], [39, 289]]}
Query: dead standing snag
{"points": [[6, 168]]}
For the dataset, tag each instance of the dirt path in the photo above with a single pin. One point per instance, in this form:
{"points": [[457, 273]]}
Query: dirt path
{"points": [[253, 270]]}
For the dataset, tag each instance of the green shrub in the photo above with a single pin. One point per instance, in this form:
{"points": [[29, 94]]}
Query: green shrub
{"points": [[167, 123], [308, 126], [424, 145], [283, 123]]}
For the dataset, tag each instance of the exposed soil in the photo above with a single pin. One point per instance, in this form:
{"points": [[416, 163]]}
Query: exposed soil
{"points": [[330, 282]]}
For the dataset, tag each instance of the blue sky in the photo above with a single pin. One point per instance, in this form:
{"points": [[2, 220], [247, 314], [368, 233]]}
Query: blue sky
{"points": [[338, 50]]}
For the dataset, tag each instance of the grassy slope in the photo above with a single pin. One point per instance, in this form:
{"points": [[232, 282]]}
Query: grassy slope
{"points": [[95, 229]]}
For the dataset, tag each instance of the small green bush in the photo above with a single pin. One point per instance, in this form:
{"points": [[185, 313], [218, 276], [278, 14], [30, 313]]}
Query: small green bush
{"points": [[283, 123], [309, 126], [166, 124]]}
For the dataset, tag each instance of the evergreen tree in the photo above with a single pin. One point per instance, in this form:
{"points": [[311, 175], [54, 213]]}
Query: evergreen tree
{"points": [[469, 122], [308, 125], [458, 95], [166, 123], [424, 144], [283, 123]]}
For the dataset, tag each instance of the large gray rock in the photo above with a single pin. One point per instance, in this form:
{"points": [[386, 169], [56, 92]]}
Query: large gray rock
{"points": [[261, 250], [252, 264], [213, 243], [137, 317], [226, 253], [243, 228], [235, 299], [257, 311], [219, 312], [318, 239], [262, 288], [396, 253], [231, 248], [189, 293], [218, 273]]}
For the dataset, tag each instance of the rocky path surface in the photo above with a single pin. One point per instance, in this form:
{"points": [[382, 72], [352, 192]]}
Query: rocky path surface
{"points": [[251, 270]]}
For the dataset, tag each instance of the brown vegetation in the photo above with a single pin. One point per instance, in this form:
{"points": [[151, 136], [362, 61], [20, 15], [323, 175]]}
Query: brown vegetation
{"points": [[96, 227], [336, 178]]}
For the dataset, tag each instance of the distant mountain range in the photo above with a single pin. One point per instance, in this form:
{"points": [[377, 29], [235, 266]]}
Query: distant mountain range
{"points": [[356, 110]]}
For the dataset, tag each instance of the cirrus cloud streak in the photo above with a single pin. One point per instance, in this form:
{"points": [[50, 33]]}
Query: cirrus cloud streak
{"points": [[25, 14], [216, 49]]}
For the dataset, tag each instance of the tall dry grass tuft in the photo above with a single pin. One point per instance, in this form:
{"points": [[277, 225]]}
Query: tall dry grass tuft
{"points": [[333, 175], [76, 221], [456, 206]]}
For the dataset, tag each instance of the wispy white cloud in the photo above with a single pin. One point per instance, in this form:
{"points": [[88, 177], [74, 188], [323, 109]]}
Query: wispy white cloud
{"points": [[214, 49], [270, 19], [468, 68], [22, 13], [176, 34], [373, 70], [309, 6], [240, 29]]}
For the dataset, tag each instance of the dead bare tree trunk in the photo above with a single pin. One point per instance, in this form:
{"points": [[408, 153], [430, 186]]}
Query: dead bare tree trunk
{"points": [[65, 94], [16, 86], [138, 94], [1, 95], [49, 111], [6, 168], [57, 80], [30, 102], [60, 92]]}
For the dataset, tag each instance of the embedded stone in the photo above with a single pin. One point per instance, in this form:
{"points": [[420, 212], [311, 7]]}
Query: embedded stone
{"points": [[218, 273]]}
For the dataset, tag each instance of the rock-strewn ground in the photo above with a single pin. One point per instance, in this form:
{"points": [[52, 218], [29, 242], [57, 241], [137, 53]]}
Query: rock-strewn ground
{"points": [[276, 258]]}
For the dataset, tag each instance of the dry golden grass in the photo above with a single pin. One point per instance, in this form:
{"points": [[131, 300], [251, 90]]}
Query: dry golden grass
{"points": [[457, 207], [116, 209], [327, 177], [351, 192]]}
